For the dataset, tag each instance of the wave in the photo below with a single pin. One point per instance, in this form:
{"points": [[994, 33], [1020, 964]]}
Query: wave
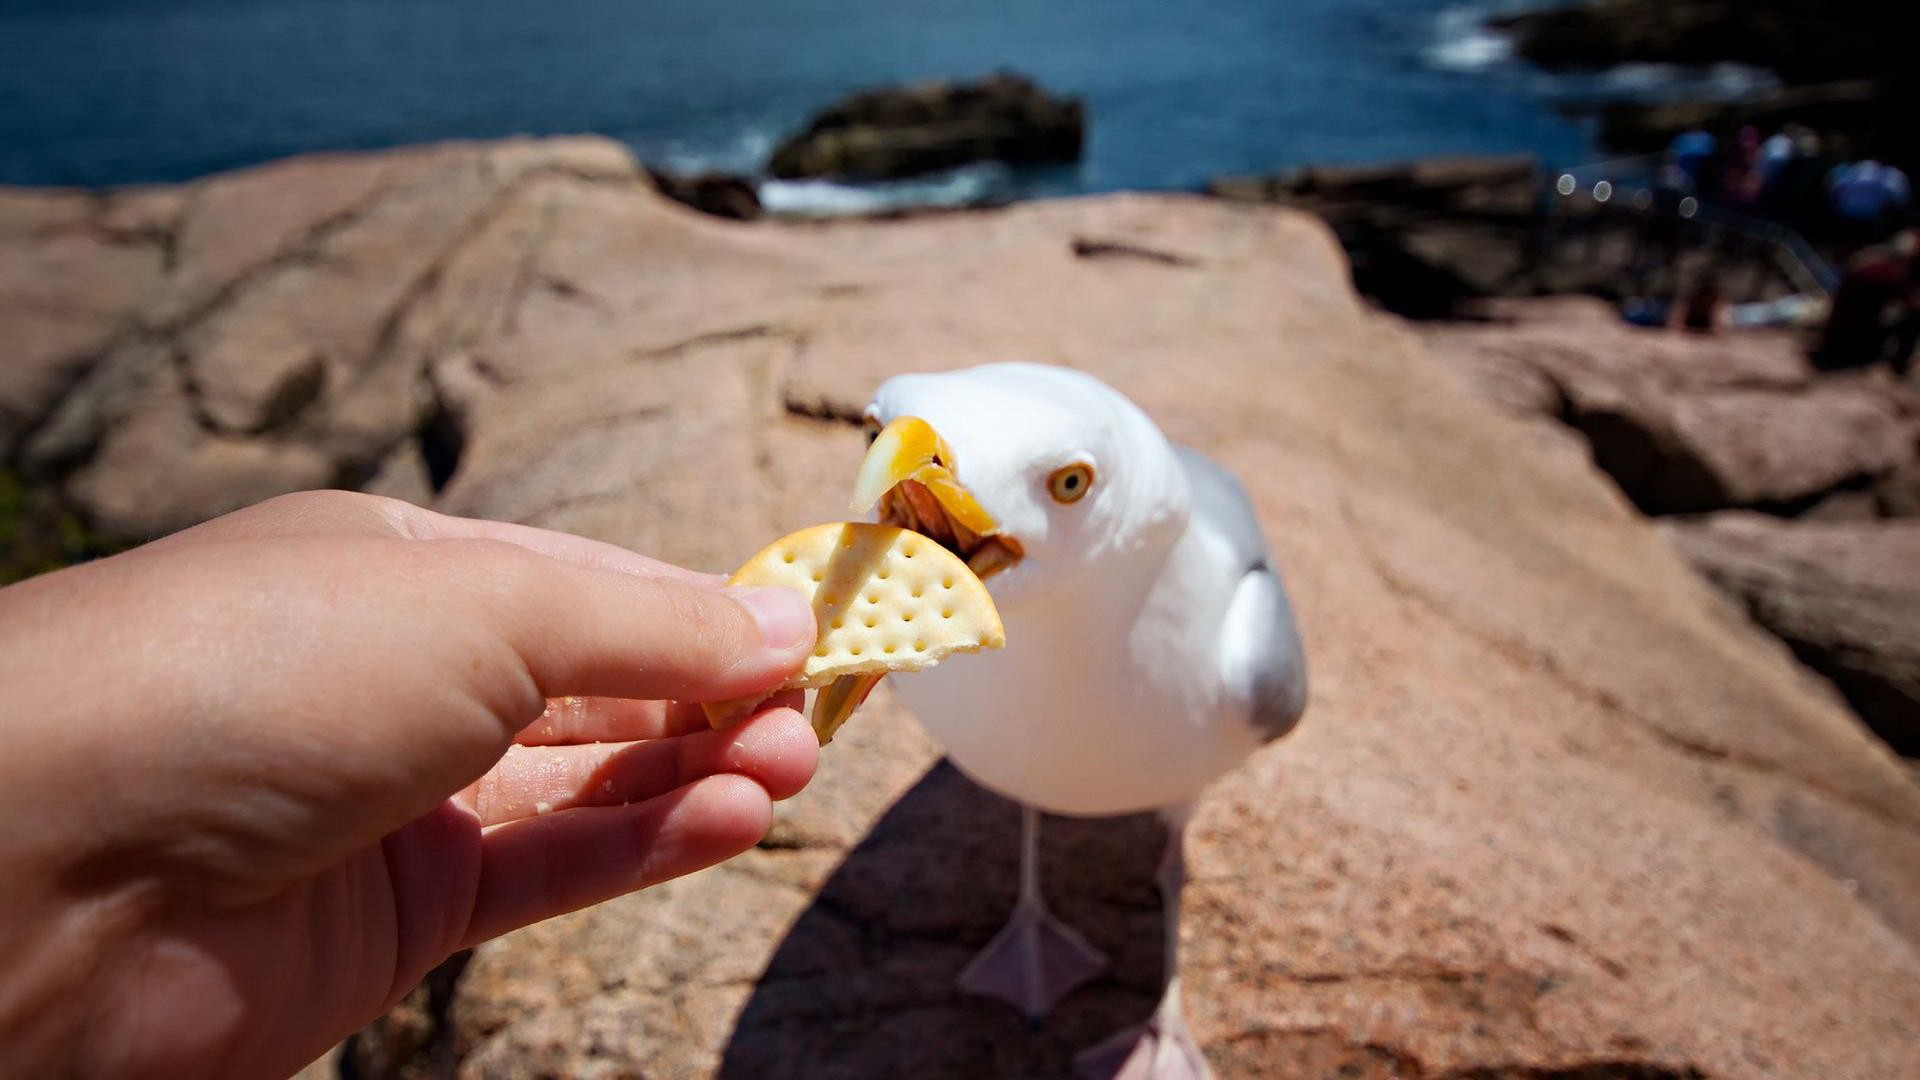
{"points": [[1464, 42], [1719, 82], [966, 186], [744, 152]]}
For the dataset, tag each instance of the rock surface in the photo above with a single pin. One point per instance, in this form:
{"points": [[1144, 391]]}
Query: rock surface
{"points": [[1429, 239], [720, 194], [1556, 811], [1426, 236], [904, 131], [1686, 423], [1843, 594]]}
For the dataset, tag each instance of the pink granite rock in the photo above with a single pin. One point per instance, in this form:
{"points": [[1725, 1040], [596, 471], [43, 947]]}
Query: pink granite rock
{"points": [[1556, 810]]}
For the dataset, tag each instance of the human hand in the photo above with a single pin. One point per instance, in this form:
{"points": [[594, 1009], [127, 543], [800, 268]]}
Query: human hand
{"points": [[262, 775]]}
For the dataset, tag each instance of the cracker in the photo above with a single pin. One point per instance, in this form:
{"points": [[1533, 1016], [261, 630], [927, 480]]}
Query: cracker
{"points": [[886, 599]]}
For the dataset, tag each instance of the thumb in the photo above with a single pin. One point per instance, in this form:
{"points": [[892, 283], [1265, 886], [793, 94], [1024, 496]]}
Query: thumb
{"points": [[597, 632]]}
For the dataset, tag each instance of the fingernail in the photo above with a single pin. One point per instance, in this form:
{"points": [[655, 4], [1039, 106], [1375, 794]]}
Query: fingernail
{"points": [[784, 616]]}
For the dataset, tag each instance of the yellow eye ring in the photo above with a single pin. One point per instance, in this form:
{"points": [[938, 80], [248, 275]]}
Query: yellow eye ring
{"points": [[1070, 483]]}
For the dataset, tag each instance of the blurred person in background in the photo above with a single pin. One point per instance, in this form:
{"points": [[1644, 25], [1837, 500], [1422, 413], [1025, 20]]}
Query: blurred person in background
{"points": [[1867, 197], [1705, 309], [1793, 191], [1740, 177], [1693, 153], [1872, 309]]}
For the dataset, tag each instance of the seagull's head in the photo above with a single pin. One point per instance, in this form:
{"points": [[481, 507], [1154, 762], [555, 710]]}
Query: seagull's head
{"points": [[1035, 475]]}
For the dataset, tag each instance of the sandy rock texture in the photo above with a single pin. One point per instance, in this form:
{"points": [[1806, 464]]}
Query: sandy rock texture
{"points": [[1843, 594], [177, 353], [1686, 423], [1730, 424], [1556, 809]]}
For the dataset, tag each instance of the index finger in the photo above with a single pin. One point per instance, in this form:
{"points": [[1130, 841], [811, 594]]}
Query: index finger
{"points": [[354, 513], [575, 630], [566, 547], [569, 721]]}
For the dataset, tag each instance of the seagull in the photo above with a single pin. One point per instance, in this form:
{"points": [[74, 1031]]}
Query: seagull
{"points": [[1151, 646]]}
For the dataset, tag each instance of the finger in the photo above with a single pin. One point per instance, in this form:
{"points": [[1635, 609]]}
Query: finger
{"points": [[573, 720], [304, 513], [540, 867], [354, 513], [581, 631], [577, 550], [569, 721], [776, 749]]}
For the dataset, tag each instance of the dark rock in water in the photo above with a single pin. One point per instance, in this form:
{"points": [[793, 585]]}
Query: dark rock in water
{"points": [[1841, 594], [717, 193], [1802, 40], [906, 131], [1846, 62]]}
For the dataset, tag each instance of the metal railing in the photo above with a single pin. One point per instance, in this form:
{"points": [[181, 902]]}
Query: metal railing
{"points": [[1633, 183]]}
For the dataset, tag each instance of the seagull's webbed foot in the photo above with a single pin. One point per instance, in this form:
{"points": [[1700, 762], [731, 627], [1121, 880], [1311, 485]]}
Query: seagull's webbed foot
{"points": [[1033, 962], [1160, 1049]]}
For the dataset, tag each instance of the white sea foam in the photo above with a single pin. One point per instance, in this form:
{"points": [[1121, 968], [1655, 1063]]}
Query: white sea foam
{"points": [[832, 198], [744, 152], [1464, 42], [1720, 82]]}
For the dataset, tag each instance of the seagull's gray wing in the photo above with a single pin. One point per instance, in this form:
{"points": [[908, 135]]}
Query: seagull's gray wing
{"points": [[1261, 659]]}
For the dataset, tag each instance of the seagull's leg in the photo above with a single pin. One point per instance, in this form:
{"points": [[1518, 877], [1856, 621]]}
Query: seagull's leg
{"points": [[1162, 1048], [1037, 959]]}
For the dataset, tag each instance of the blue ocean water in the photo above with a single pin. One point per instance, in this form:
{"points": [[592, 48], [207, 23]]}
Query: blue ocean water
{"points": [[97, 92]]}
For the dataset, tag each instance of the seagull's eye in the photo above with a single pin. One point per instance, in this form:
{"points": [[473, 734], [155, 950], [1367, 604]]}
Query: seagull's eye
{"points": [[1070, 483]]}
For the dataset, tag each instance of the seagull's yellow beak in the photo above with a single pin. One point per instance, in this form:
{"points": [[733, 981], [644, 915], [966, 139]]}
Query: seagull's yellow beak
{"points": [[909, 475], [910, 451]]}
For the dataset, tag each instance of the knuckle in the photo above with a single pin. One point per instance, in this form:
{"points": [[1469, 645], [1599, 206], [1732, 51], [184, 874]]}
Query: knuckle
{"points": [[510, 565], [707, 623], [333, 506]]}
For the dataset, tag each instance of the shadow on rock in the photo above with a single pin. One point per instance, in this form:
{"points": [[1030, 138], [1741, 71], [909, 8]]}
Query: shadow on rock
{"points": [[863, 985]]}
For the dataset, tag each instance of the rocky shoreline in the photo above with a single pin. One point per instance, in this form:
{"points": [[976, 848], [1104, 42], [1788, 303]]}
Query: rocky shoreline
{"points": [[1796, 492], [1845, 64], [895, 132], [1557, 808]]}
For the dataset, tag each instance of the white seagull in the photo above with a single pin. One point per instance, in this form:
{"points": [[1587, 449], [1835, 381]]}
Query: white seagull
{"points": [[1150, 644]]}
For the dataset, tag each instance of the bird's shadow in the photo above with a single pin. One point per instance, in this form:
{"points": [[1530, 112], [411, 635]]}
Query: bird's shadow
{"points": [[863, 984]]}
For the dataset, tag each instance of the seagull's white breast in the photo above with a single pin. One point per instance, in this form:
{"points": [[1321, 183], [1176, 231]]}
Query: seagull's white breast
{"points": [[1107, 698]]}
